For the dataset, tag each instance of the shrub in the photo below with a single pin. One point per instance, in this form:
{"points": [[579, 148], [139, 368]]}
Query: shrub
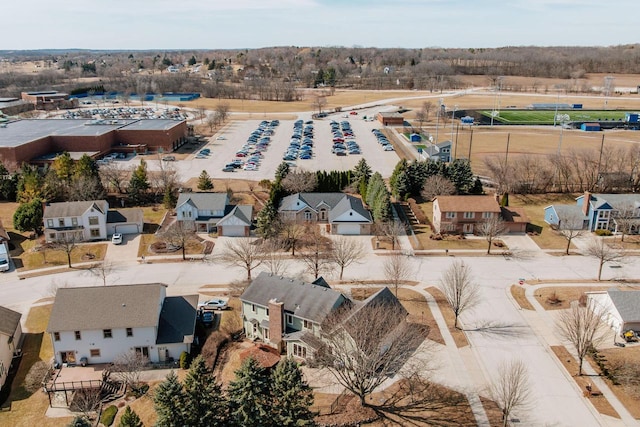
{"points": [[108, 415], [33, 380], [603, 232], [185, 360], [139, 389]]}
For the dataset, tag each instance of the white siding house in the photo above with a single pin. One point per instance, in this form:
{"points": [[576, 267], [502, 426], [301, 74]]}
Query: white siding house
{"points": [[10, 335]]}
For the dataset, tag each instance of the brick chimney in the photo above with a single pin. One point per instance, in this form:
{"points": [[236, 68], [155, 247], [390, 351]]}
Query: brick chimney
{"points": [[276, 323], [585, 203]]}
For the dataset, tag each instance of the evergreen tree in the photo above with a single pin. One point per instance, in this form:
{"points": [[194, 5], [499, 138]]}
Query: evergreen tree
{"points": [[477, 187], [138, 184], [461, 175], [204, 181], [28, 216], [281, 171], [400, 168], [63, 167], [85, 167], [249, 396], [8, 184], [169, 400], [169, 199], [192, 60], [292, 396], [206, 405], [30, 184], [267, 221], [130, 419]]}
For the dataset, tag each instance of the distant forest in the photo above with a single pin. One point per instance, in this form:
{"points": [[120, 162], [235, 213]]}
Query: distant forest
{"points": [[278, 73]]}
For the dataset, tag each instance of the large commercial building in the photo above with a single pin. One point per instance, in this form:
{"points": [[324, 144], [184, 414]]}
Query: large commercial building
{"points": [[40, 139]]}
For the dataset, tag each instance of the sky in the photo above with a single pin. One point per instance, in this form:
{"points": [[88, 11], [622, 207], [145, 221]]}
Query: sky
{"points": [[232, 24]]}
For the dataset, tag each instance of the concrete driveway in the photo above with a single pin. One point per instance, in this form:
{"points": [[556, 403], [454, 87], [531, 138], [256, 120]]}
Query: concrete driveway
{"points": [[125, 252]]}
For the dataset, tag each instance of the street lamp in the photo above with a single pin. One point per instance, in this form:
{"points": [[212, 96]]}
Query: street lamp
{"points": [[562, 118], [453, 116]]}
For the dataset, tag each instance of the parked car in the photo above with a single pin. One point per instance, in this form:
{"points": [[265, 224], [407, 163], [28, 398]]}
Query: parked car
{"points": [[228, 168], [207, 319], [388, 148], [221, 138], [169, 158], [214, 304], [116, 239]]}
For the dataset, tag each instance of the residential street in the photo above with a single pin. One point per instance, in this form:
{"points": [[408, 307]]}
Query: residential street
{"points": [[497, 330]]}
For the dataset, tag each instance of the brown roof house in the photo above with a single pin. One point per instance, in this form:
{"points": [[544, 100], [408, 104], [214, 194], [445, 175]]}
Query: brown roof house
{"points": [[464, 214]]}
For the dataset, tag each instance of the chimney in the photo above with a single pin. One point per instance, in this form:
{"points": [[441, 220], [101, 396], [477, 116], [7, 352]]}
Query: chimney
{"points": [[276, 323], [585, 203]]}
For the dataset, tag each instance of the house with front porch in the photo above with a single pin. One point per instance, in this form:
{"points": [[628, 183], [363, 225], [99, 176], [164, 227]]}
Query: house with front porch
{"points": [[345, 214], [207, 211], [83, 221], [91, 325], [10, 340]]}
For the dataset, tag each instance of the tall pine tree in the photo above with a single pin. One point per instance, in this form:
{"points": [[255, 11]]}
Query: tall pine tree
{"points": [[139, 183], [170, 402], [130, 419], [205, 404], [204, 181], [249, 396], [292, 396]]}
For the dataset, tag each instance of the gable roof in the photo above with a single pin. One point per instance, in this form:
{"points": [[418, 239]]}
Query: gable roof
{"points": [[568, 211], [204, 201], [600, 201], [313, 200], [68, 209], [627, 303], [106, 307], [125, 215], [484, 203], [9, 321], [177, 319], [304, 300], [345, 205], [243, 212], [514, 214]]}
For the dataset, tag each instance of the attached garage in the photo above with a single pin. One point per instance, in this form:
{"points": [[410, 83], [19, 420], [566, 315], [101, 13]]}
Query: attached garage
{"points": [[232, 230], [236, 223], [349, 229], [125, 228], [125, 221]]}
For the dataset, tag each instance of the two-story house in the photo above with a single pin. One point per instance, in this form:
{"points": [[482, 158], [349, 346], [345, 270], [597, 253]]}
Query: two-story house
{"points": [[598, 212], [440, 152], [88, 220], [464, 214], [96, 324], [10, 335], [211, 212], [344, 213], [281, 311]]}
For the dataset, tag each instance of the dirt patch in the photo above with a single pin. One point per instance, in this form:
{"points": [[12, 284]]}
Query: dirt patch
{"points": [[628, 395], [560, 298], [518, 294], [458, 335], [596, 398]]}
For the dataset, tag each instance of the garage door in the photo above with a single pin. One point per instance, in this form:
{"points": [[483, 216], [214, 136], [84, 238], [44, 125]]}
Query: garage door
{"points": [[349, 229], [233, 230], [127, 229]]}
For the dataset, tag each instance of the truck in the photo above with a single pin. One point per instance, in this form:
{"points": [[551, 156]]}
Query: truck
{"points": [[4, 258]]}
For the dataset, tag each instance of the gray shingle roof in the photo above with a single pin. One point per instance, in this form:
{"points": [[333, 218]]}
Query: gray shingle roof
{"points": [[68, 209], [346, 204], [615, 200], [106, 307], [569, 211], [9, 321], [627, 303], [304, 300], [204, 201], [125, 215], [177, 319], [314, 199], [242, 212]]}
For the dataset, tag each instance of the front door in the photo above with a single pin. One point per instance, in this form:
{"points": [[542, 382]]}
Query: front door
{"points": [[143, 350], [467, 228], [68, 357]]}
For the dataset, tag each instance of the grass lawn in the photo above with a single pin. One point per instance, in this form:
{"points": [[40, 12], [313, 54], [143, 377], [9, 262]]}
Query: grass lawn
{"points": [[29, 409], [629, 397], [559, 298], [194, 247], [458, 335], [518, 293], [84, 252], [538, 117]]}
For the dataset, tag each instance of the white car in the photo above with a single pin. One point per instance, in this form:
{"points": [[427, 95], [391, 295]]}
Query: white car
{"points": [[116, 239], [214, 304], [221, 138], [388, 148]]}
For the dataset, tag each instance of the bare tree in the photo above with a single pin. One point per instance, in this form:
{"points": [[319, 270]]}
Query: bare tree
{"points": [[274, 257], [243, 252], [511, 389], [604, 253], [300, 182], [626, 218], [571, 226], [128, 367], [363, 347], [222, 111], [346, 251], [392, 230], [179, 235], [491, 228], [437, 185], [317, 255], [291, 233], [319, 102], [396, 270], [114, 176], [86, 400], [583, 328], [459, 289], [66, 242], [102, 270]]}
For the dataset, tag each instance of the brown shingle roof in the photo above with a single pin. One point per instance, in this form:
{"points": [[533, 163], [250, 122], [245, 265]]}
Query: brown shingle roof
{"points": [[468, 204], [106, 307], [516, 215], [9, 321]]}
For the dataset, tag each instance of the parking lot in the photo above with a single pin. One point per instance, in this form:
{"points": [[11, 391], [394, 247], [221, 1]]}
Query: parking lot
{"points": [[223, 151]]}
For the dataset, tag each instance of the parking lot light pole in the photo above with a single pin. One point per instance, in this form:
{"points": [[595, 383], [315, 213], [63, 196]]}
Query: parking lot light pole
{"points": [[453, 116]]}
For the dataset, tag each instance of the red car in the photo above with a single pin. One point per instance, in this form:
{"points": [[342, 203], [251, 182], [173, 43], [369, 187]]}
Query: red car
{"points": [[354, 113]]}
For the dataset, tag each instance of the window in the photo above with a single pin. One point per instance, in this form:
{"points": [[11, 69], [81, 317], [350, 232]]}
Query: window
{"points": [[451, 215], [451, 227], [107, 333], [188, 214], [94, 352], [52, 236], [93, 220], [265, 332], [50, 223], [74, 221], [487, 215], [307, 324], [307, 215], [56, 336], [299, 351], [289, 319], [129, 332], [469, 215], [267, 311], [253, 308], [78, 336], [60, 222], [95, 232]]}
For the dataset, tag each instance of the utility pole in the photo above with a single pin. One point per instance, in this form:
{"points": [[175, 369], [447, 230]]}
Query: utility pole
{"points": [[470, 142], [506, 155]]}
